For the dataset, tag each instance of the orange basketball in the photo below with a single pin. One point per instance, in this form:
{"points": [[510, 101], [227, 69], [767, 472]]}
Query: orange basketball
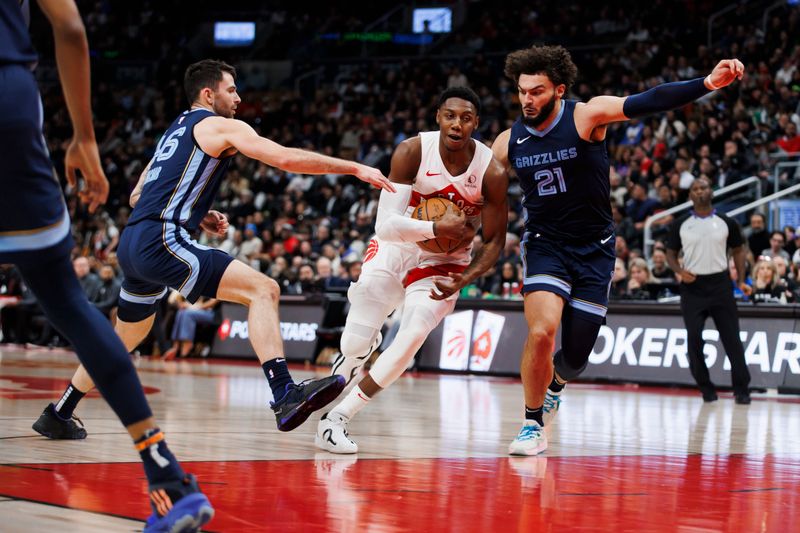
{"points": [[434, 209]]}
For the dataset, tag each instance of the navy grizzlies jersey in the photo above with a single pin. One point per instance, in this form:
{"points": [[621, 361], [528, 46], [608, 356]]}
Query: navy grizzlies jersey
{"points": [[15, 43], [564, 179], [182, 181]]}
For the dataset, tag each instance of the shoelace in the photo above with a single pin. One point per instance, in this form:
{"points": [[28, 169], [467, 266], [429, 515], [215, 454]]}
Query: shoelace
{"points": [[529, 432], [74, 417], [292, 387], [551, 403]]}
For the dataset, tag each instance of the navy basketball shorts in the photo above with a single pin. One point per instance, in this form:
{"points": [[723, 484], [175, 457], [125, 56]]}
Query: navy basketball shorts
{"points": [[155, 255], [579, 273], [34, 222]]}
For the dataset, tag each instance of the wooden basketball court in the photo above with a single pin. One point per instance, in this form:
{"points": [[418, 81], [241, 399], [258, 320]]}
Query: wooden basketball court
{"points": [[433, 457]]}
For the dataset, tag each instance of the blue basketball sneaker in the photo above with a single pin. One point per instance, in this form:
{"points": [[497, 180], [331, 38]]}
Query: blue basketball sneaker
{"points": [[178, 507], [300, 400]]}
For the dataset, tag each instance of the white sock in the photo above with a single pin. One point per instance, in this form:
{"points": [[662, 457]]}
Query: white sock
{"points": [[352, 403]]}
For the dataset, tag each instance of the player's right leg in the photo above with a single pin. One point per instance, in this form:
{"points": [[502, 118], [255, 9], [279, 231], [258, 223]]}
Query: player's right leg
{"points": [[293, 403], [546, 287]]}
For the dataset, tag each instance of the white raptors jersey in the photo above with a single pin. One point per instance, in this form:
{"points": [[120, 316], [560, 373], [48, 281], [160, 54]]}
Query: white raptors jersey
{"points": [[433, 180]]}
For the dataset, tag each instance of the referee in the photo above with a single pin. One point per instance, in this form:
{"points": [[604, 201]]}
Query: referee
{"points": [[705, 236]]}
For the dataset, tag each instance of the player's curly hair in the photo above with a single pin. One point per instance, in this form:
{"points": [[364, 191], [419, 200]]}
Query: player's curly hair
{"points": [[205, 73], [554, 61]]}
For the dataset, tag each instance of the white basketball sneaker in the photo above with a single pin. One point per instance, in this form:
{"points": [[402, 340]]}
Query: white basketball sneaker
{"points": [[531, 440], [332, 434], [552, 401]]}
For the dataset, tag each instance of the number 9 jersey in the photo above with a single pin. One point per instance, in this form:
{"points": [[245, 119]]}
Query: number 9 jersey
{"points": [[564, 179], [182, 181]]}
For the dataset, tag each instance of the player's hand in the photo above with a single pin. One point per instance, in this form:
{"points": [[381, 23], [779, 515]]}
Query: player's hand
{"points": [[452, 225], [746, 289], [374, 177], [447, 286], [686, 277], [215, 224], [724, 74], [469, 234], [82, 155]]}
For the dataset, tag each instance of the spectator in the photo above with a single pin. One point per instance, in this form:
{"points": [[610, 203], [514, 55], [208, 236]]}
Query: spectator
{"points": [[767, 285], [325, 275], [251, 247], [776, 242], [638, 280], [188, 317], [660, 271], [640, 207], [786, 278], [507, 284], [306, 282], [108, 291], [757, 236], [619, 281], [89, 281], [790, 141]]}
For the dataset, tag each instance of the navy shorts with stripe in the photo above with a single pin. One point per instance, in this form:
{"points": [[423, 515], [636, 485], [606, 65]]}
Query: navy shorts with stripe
{"points": [[155, 255], [578, 272], [34, 222]]}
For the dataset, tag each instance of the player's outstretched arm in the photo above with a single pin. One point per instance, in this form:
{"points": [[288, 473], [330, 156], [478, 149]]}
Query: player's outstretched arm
{"points": [[602, 110], [245, 139], [391, 223], [72, 57], [494, 220]]}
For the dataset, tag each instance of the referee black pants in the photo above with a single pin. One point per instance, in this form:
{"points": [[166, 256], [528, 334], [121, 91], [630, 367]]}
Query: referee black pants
{"points": [[712, 295]]}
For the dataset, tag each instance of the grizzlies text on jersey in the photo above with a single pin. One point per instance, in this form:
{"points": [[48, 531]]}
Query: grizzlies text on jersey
{"points": [[564, 179]]}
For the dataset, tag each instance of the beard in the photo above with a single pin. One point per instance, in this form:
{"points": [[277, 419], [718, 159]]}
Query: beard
{"points": [[544, 113]]}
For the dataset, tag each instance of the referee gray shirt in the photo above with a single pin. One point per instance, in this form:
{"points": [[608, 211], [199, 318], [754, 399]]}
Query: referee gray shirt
{"points": [[705, 241]]}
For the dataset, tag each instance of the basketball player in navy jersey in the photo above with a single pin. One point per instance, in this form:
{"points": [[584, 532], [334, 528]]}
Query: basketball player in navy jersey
{"points": [[557, 150], [156, 251], [35, 235]]}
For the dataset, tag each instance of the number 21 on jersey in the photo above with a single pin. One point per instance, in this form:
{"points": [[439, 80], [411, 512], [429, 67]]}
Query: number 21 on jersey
{"points": [[545, 178]]}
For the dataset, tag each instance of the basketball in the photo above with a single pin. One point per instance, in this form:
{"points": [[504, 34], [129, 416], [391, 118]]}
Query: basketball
{"points": [[434, 209]]}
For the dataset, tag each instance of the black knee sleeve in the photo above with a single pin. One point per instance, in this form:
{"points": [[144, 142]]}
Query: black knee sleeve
{"points": [[579, 332]]}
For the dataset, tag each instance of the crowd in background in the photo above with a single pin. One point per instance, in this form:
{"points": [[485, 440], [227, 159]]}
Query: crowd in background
{"points": [[309, 233]]}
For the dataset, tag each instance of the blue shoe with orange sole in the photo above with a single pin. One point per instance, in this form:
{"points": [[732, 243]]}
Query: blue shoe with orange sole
{"points": [[178, 507]]}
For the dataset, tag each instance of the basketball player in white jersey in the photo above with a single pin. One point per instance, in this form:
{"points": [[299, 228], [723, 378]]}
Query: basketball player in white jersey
{"points": [[449, 164]]}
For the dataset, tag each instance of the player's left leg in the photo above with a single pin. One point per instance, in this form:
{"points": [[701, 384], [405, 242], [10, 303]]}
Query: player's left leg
{"points": [[175, 497], [591, 266], [421, 315]]}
